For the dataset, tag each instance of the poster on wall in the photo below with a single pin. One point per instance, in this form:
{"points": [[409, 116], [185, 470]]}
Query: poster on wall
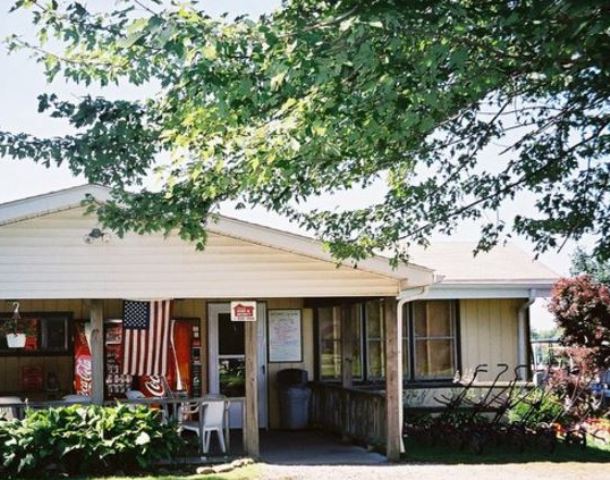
{"points": [[285, 336]]}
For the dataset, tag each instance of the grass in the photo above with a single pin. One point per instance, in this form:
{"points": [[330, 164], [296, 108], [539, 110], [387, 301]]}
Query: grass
{"points": [[500, 455], [248, 472]]}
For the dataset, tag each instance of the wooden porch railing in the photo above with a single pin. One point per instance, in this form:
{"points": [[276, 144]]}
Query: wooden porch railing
{"points": [[358, 414]]}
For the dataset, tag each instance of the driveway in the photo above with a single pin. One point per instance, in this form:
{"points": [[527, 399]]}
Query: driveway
{"points": [[318, 456], [523, 471]]}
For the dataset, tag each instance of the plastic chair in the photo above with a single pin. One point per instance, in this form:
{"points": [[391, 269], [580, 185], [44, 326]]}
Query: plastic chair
{"points": [[9, 412], [212, 419]]}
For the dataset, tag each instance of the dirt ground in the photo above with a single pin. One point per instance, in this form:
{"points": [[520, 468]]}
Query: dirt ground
{"points": [[523, 471]]}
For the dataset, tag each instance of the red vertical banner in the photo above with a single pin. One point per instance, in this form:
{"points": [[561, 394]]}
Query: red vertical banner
{"points": [[182, 340], [82, 361]]}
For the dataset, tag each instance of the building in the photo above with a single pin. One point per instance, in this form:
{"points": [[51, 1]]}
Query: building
{"points": [[413, 326]]}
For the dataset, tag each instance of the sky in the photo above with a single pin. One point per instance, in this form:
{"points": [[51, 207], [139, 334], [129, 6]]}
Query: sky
{"points": [[22, 80]]}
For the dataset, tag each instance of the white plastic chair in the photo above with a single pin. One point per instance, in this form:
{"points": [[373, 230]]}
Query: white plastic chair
{"points": [[213, 421], [9, 413]]}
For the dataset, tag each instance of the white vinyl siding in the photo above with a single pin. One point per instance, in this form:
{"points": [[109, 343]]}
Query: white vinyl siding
{"points": [[47, 257]]}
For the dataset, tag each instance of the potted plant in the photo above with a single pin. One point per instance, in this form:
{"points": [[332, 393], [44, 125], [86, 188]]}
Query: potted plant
{"points": [[14, 329]]}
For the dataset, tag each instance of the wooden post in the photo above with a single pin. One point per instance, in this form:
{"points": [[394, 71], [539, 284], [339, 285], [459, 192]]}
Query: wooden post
{"points": [[96, 314], [347, 362], [393, 379], [251, 443], [347, 346]]}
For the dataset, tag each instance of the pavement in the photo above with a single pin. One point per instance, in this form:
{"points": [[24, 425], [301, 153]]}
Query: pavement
{"points": [[314, 455], [313, 448]]}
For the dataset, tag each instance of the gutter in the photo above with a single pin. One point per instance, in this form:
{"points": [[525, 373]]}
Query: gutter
{"points": [[404, 298], [522, 333]]}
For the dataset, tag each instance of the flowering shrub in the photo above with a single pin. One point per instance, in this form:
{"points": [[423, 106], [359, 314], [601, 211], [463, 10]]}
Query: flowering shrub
{"points": [[581, 307]]}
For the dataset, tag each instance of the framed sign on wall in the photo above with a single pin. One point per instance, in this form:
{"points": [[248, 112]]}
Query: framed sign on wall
{"points": [[285, 336]]}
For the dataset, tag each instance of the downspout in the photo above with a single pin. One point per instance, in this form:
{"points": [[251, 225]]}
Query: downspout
{"points": [[522, 334], [404, 298]]}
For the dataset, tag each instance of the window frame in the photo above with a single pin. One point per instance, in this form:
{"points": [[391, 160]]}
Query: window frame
{"points": [[408, 316], [68, 317], [366, 338], [356, 309]]}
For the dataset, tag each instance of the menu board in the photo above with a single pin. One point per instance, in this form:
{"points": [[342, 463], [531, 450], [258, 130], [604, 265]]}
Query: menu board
{"points": [[285, 340]]}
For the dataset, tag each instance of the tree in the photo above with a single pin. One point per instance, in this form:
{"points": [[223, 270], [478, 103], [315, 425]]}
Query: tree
{"points": [[585, 263], [458, 106], [581, 307]]}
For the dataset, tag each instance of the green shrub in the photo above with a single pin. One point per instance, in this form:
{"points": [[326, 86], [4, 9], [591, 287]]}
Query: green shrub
{"points": [[538, 406], [85, 439]]}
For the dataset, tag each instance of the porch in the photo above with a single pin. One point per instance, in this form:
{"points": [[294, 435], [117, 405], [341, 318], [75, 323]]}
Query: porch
{"points": [[218, 351]]}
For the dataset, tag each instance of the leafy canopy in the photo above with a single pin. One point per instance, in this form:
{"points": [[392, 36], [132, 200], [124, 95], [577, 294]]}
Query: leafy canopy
{"points": [[458, 106], [585, 263]]}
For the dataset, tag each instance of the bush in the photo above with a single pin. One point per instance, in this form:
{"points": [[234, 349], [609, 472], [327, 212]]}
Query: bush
{"points": [[528, 412], [80, 440]]}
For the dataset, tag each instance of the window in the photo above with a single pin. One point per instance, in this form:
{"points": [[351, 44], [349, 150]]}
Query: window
{"points": [[329, 336], [231, 357], [430, 340], [375, 362], [46, 333]]}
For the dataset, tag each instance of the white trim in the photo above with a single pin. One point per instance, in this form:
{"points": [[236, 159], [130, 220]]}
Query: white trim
{"points": [[488, 290], [36, 206]]}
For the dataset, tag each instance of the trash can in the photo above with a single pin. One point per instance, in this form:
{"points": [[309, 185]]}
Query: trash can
{"points": [[295, 396]]}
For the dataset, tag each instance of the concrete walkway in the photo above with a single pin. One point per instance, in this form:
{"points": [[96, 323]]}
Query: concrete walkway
{"points": [[313, 448], [314, 455]]}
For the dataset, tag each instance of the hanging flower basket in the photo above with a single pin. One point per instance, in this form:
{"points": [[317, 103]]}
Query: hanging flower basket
{"points": [[15, 340], [15, 330]]}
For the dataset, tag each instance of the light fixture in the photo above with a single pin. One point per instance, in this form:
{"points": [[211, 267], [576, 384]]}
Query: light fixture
{"points": [[96, 235]]}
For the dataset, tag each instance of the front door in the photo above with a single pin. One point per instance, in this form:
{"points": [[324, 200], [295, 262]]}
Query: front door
{"points": [[227, 360]]}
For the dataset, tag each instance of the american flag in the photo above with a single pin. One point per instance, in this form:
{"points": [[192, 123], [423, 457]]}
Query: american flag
{"points": [[146, 338]]}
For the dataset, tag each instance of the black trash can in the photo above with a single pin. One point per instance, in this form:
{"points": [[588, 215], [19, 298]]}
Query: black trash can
{"points": [[295, 396]]}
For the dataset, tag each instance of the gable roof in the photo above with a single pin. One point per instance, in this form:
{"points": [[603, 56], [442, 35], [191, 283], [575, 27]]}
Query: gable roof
{"points": [[69, 198], [456, 262], [503, 272]]}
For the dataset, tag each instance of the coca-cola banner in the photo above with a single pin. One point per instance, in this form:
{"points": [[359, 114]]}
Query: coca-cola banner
{"points": [[82, 361]]}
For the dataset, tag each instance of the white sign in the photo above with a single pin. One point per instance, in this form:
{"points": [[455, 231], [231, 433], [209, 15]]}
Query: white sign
{"points": [[243, 311], [285, 342]]}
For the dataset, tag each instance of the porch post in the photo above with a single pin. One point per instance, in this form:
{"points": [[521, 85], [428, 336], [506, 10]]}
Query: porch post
{"points": [[393, 378], [347, 362], [347, 346], [96, 313], [251, 444]]}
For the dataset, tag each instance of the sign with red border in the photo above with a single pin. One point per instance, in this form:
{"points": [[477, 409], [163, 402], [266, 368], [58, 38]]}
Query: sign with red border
{"points": [[243, 311]]}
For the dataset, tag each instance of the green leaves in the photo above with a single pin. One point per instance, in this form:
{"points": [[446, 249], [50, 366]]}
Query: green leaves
{"points": [[448, 110], [85, 440]]}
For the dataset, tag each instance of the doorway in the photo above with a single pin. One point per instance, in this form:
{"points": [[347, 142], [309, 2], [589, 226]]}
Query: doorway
{"points": [[227, 360]]}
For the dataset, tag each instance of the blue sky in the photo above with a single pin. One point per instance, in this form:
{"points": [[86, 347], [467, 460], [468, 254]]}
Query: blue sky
{"points": [[21, 80]]}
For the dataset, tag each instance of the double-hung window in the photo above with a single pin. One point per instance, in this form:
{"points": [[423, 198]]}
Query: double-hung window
{"points": [[430, 340]]}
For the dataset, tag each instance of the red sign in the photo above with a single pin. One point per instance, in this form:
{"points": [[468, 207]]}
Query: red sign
{"points": [[82, 362], [243, 311]]}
